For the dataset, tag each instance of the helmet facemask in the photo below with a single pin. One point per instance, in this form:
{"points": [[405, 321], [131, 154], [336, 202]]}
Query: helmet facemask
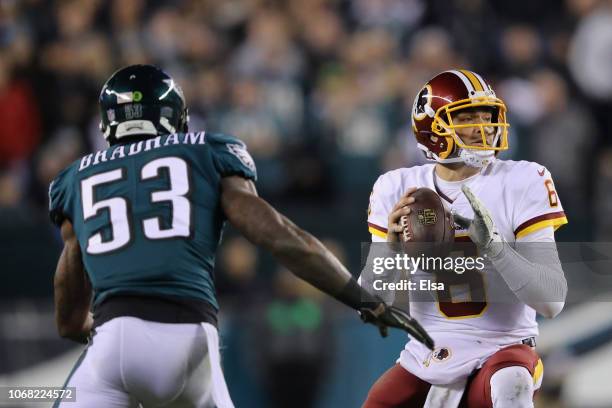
{"points": [[473, 154]]}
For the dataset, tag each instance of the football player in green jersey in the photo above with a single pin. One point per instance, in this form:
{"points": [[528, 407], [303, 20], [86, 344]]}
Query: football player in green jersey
{"points": [[141, 222]]}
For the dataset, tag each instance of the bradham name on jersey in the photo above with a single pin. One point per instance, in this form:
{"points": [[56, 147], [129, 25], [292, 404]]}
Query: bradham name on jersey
{"points": [[120, 151]]}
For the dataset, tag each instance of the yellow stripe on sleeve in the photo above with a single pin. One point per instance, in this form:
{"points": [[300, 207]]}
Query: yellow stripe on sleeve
{"points": [[376, 232], [553, 222]]}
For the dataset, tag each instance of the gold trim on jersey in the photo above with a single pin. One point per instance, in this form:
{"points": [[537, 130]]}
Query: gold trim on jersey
{"points": [[555, 220], [376, 230]]}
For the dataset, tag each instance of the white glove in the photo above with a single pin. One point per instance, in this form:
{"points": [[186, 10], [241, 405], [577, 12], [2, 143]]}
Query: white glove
{"points": [[481, 229]]}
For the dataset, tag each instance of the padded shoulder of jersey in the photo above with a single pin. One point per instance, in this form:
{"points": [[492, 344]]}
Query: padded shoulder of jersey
{"points": [[388, 189], [58, 195], [537, 204], [231, 156], [395, 181], [519, 175], [218, 139]]}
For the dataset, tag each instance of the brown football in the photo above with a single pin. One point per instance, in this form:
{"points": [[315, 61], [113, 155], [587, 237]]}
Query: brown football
{"points": [[429, 220]]}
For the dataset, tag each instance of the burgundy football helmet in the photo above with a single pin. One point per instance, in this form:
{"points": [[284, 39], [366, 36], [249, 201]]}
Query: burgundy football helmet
{"points": [[432, 118]]}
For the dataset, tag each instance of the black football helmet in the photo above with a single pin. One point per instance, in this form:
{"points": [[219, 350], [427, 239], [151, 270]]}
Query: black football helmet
{"points": [[139, 101]]}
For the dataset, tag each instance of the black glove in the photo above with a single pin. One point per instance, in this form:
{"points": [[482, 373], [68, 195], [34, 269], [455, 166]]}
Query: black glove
{"points": [[383, 317]]}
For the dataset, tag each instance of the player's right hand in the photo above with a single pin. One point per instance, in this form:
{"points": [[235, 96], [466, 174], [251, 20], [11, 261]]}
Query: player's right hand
{"points": [[383, 317], [401, 208]]}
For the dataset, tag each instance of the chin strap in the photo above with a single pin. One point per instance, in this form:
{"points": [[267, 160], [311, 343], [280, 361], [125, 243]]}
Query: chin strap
{"points": [[471, 157], [478, 158]]}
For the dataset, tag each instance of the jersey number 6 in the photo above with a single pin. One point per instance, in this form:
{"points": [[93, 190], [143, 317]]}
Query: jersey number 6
{"points": [[470, 285], [117, 207]]}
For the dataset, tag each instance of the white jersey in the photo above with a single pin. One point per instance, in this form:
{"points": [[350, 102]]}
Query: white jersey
{"points": [[521, 198]]}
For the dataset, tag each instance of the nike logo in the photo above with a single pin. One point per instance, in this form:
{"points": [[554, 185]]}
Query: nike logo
{"points": [[541, 172]]}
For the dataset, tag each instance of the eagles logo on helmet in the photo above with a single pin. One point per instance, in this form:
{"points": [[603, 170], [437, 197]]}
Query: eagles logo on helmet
{"points": [[444, 96]]}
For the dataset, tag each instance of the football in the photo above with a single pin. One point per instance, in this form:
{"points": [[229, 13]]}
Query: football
{"points": [[429, 220]]}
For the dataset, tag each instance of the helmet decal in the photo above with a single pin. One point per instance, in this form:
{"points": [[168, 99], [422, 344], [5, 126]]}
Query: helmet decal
{"points": [[422, 104]]}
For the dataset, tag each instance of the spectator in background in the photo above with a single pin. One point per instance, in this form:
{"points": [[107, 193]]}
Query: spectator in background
{"points": [[563, 137], [207, 97], [469, 22], [162, 35], [129, 40], [590, 62], [238, 262], [521, 49], [270, 58], [75, 57], [247, 117], [11, 194], [603, 197], [322, 41], [20, 127], [268, 50], [521, 52], [293, 341], [62, 149], [397, 16]]}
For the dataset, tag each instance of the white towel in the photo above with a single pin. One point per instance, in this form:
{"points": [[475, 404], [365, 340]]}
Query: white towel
{"points": [[445, 396]]}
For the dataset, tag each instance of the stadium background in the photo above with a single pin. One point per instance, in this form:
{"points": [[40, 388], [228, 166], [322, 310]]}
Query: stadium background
{"points": [[321, 92]]}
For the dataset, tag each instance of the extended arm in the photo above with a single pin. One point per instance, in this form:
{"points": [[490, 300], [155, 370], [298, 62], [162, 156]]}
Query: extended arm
{"points": [[72, 290], [306, 256], [534, 272], [295, 248]]}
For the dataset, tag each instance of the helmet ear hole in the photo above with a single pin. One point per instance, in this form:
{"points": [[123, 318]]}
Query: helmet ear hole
{"points": [[438, 128]]}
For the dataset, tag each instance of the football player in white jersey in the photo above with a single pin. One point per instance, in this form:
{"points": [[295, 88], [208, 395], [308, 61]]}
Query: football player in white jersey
{"points": [[485, 350]]}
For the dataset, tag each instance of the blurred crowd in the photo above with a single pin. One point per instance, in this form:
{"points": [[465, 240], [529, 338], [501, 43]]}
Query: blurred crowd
{"points": [[320, 90]]}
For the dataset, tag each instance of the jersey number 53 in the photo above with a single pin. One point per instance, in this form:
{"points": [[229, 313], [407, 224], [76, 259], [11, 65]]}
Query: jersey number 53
{"points": [[119, 207]]}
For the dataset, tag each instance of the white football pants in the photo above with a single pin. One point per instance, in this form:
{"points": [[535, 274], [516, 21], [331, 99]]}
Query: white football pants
{"points": [[133, 361]]}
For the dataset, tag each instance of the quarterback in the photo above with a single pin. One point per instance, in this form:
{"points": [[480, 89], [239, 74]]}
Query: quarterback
{"points": [[485, 349], [141, 222]]}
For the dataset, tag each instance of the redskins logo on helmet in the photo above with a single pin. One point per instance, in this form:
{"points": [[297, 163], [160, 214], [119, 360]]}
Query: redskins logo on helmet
{"points": [[444, 96]]}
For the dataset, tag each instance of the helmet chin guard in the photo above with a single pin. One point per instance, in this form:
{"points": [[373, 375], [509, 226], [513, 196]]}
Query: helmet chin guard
{"points": [[476, 158], [471, 158]]}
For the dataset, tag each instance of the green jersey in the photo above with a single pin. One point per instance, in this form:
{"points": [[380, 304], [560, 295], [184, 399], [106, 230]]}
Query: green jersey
{"points": [[147, 215]]}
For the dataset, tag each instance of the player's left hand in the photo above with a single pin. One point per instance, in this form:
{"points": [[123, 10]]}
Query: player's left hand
{"points": [[383, 317], [481, 229]]}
